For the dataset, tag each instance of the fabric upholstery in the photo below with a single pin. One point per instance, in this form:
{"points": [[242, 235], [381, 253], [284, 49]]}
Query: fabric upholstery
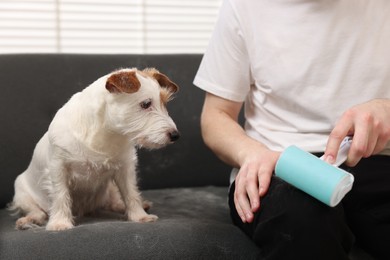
{"points": [[193, 223]]}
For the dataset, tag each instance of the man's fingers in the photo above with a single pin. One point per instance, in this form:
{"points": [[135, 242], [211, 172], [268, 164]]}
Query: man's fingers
{"points": [[252, 182], [252, 187], [241, 200], [240, 212], [264, 181], [341, 130], [243, 207]]}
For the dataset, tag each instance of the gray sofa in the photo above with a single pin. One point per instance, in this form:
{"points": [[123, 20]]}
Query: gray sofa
{"points": [[186, 182]]}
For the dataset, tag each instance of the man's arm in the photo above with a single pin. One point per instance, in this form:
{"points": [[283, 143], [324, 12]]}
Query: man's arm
{"points": [[226, 138]]}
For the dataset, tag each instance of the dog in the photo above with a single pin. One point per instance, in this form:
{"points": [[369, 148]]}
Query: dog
{"points": [[87, 159]]}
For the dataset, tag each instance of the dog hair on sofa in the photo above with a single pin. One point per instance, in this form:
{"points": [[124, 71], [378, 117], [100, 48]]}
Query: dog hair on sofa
{"points": [[87, 159]]}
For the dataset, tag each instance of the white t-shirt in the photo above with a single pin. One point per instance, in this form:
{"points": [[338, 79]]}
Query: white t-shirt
{"points": [[298, 65]]}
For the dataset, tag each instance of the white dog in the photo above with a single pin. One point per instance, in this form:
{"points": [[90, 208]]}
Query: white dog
{"points": [[87, 159]]}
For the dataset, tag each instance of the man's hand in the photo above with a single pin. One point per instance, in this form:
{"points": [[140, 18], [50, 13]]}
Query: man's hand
{"points": [[369, 124], [253, 180]]}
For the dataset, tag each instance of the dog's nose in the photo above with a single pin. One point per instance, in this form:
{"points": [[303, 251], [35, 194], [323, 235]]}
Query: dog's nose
{"points": [[174, 135]]}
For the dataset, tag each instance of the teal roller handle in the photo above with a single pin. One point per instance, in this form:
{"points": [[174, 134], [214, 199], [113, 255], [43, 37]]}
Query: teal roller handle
{"points": [[314, 176]]}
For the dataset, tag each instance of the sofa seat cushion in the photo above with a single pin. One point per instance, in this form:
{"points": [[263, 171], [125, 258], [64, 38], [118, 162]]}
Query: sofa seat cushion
{"points": [[193, 223]]}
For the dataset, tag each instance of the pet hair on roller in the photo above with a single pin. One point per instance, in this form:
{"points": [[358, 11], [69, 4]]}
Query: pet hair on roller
{"points": [[323, 181]]}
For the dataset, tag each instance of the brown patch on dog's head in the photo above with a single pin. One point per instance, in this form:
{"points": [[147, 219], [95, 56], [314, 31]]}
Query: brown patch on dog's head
{"points": [[162, 80], [123, 82]]}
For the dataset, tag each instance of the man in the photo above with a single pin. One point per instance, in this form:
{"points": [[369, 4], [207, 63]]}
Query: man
{"points": [[309, 74]]}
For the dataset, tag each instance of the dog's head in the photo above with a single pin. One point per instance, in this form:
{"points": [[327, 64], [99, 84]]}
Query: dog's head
{"points": [[136, 106]]}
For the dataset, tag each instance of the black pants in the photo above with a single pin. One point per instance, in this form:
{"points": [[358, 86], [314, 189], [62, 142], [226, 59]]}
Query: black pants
{"points": [[292, 225]]}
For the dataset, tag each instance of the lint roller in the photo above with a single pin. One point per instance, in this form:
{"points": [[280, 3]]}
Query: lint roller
{"points": [[325, 182]]}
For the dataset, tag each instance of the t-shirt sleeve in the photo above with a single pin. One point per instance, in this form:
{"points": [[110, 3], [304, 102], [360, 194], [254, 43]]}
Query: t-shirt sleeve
{"points": [[224, 70]]}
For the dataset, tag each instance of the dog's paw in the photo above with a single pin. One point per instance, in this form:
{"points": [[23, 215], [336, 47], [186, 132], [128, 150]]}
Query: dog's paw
{"points": [[59, 225], [31, 221], [24, 223], [144, 218], [148, 218]]}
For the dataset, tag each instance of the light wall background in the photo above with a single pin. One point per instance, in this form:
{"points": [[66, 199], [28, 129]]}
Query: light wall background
{"points": [[106, 26]]}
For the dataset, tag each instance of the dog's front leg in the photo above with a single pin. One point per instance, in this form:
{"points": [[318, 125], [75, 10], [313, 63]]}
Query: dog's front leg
{"points": [[127, 184], [60, 215]]}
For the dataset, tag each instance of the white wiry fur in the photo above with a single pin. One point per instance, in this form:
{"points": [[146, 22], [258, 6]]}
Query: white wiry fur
{"points": [[87, 159]]}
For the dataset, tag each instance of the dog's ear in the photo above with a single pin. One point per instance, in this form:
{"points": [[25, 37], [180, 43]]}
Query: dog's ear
{"points": [[124, 81], [165, 82], [162, 80]]}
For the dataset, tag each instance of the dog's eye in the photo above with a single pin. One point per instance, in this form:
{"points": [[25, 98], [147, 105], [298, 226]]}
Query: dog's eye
{"points": [[146, 104]]}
